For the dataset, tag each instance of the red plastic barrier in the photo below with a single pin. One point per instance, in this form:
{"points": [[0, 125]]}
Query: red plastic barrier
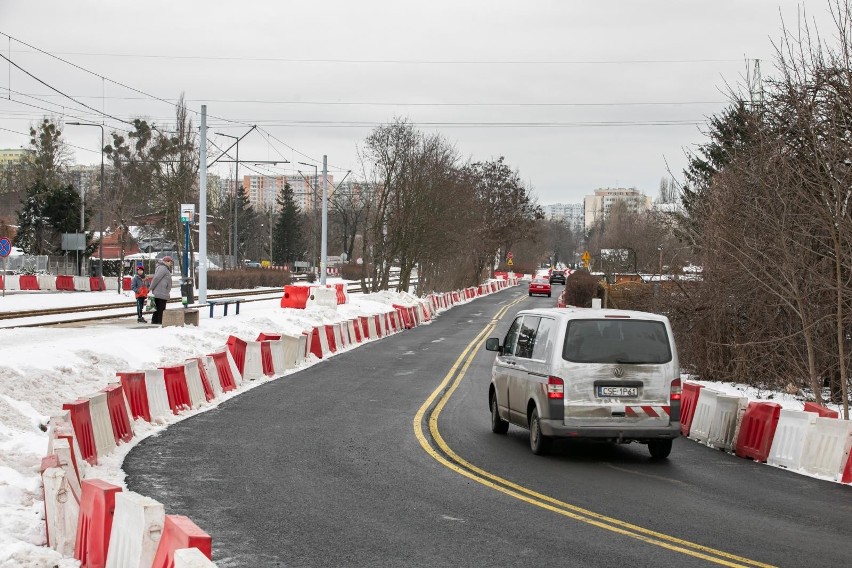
{"points": [[121, 429], [65, 283], [29, 282], [2, 282], [268, 337], [822, 411], [757, 430], [356, 325], [341, 293], [205, 380], [390, 323], [688, 400], [180, 532], [125, 283], [67, 433], [365, 327], [847, 473], [223, 368], [405, 314], [96, 283], [81, 421], [295, 296], [176, 388], [314, 342], [136, 393], [237, 347], [329, 335], [97, 507], [378, 325], [266, 358]]}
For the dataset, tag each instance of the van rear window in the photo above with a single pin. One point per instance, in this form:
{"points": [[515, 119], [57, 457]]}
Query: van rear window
{"points": [[623, 341]]}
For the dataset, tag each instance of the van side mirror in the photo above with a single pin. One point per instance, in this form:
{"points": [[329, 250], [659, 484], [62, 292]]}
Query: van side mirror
{"points": [[493, 344]]}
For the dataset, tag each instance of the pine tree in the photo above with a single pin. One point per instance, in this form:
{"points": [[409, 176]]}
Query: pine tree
{"points": [[288, 241]]}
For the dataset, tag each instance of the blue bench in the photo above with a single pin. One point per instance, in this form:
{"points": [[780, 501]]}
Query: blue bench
{"points": [[224, 302]]}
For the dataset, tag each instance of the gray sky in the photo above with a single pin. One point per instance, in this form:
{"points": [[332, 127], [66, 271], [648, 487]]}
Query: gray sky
{"points": [[576, 95]]}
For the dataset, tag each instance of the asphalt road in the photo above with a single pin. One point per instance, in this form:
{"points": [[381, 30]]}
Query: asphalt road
{"points": [[330, 467]]}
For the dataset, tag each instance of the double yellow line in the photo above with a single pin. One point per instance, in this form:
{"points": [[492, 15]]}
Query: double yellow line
{"points": [[443, 454]]}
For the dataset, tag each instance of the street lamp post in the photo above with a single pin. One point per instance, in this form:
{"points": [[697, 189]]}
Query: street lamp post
{"points": [[236, 198], [101, 213]]}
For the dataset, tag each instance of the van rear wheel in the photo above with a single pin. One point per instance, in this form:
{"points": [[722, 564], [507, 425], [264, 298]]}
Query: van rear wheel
{"points": [[539, 443], [660, 449], [498, 425]]}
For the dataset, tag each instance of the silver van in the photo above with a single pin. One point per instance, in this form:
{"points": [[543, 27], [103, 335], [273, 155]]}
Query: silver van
{"points": [[602, 374]]}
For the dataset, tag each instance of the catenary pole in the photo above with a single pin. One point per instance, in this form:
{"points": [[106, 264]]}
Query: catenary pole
{"points": [[202, 211], [324, 246]]}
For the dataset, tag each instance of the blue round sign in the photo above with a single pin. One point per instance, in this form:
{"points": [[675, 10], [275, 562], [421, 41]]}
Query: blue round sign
{"points": [[5, 247]]}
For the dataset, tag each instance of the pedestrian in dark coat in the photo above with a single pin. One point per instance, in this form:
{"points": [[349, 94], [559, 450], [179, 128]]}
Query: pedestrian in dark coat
{"points": [[139, 286], [161, 287]]}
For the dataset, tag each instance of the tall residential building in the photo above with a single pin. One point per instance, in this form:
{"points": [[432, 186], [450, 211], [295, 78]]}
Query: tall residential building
{"points": [[572, 214], [262, 191], [597, 206]]}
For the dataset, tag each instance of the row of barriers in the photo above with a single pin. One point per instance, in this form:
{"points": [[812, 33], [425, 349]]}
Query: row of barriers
{"points": [[813, 440], [99, 523], [49, 282]]}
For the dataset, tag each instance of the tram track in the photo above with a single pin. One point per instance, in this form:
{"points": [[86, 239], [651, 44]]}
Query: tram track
{"points": [[130, 306]]}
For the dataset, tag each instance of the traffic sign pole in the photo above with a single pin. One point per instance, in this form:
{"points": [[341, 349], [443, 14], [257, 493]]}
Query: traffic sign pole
{"points": [[5, 250]]}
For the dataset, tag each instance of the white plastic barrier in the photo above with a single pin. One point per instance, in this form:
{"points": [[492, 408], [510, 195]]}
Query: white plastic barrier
{"points": [[788, 443], [12, 281], [350, 326], [101, 424], [705, 408], [193, 383], [322, 297], [827, 447], [371, 327], [82, 284], [158, 398], [303, 349], [62, 511], [293, 350], [191, 558], [726, 420], [276, 348], [253, 362], [137, 526], [62, 450], [46, 282], [212, 372], [338, 337]]}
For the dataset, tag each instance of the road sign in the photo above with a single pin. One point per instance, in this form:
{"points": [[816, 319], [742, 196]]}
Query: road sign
{"points": [[509, 262], [5, 247], [586, 257], [509, 255]]}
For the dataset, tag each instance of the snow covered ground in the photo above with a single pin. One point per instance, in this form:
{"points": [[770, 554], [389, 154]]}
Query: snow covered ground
{"points": [[42, 368]]}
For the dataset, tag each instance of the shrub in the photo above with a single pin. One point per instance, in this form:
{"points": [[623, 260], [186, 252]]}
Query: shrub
{"points": [[247, 278], [580, 288]]}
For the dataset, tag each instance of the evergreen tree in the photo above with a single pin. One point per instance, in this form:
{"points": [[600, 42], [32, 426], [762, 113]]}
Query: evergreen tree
{"points": [[45, 214], [288, 241]]}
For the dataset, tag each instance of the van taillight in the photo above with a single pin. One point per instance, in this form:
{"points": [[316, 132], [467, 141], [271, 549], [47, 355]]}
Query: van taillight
{"points": [[676, 390], [555, 388]]}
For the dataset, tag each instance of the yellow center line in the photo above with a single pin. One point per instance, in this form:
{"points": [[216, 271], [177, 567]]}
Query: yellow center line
{"points": [[465, 468]]}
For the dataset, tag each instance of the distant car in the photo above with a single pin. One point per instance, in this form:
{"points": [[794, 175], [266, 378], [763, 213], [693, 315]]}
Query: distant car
{"points": [[539, 286], [252, 264], [557, 276]]}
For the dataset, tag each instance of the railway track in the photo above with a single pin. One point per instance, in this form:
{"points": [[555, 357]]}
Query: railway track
{"points": [[19, 318]]}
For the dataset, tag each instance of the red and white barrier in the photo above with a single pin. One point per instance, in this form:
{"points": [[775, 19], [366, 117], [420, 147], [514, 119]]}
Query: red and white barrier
{"points": [[158, 397], [197, 396], [705, 408], [136, 531], [46, 282], [322, 298], [177, 389], [101, 424], [82, 284], [757, 430]]}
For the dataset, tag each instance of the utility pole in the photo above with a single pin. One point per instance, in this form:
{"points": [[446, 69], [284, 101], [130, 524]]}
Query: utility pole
{"points": [[101, 213], [324, 246], [236, 190], [202, 211], [313, 213]]}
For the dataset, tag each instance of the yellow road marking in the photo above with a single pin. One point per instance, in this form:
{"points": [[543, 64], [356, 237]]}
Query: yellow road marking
{"points": [[465, 468]]}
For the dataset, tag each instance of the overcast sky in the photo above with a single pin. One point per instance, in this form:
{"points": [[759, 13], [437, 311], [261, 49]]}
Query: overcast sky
{"points": [[576, 95]]}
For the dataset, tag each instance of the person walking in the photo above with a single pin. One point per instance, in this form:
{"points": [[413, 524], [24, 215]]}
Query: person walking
{"points": [[138, 285], [161, 287]]}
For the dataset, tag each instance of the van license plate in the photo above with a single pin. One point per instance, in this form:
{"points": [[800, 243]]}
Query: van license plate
{"points": [[618, 391]]}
